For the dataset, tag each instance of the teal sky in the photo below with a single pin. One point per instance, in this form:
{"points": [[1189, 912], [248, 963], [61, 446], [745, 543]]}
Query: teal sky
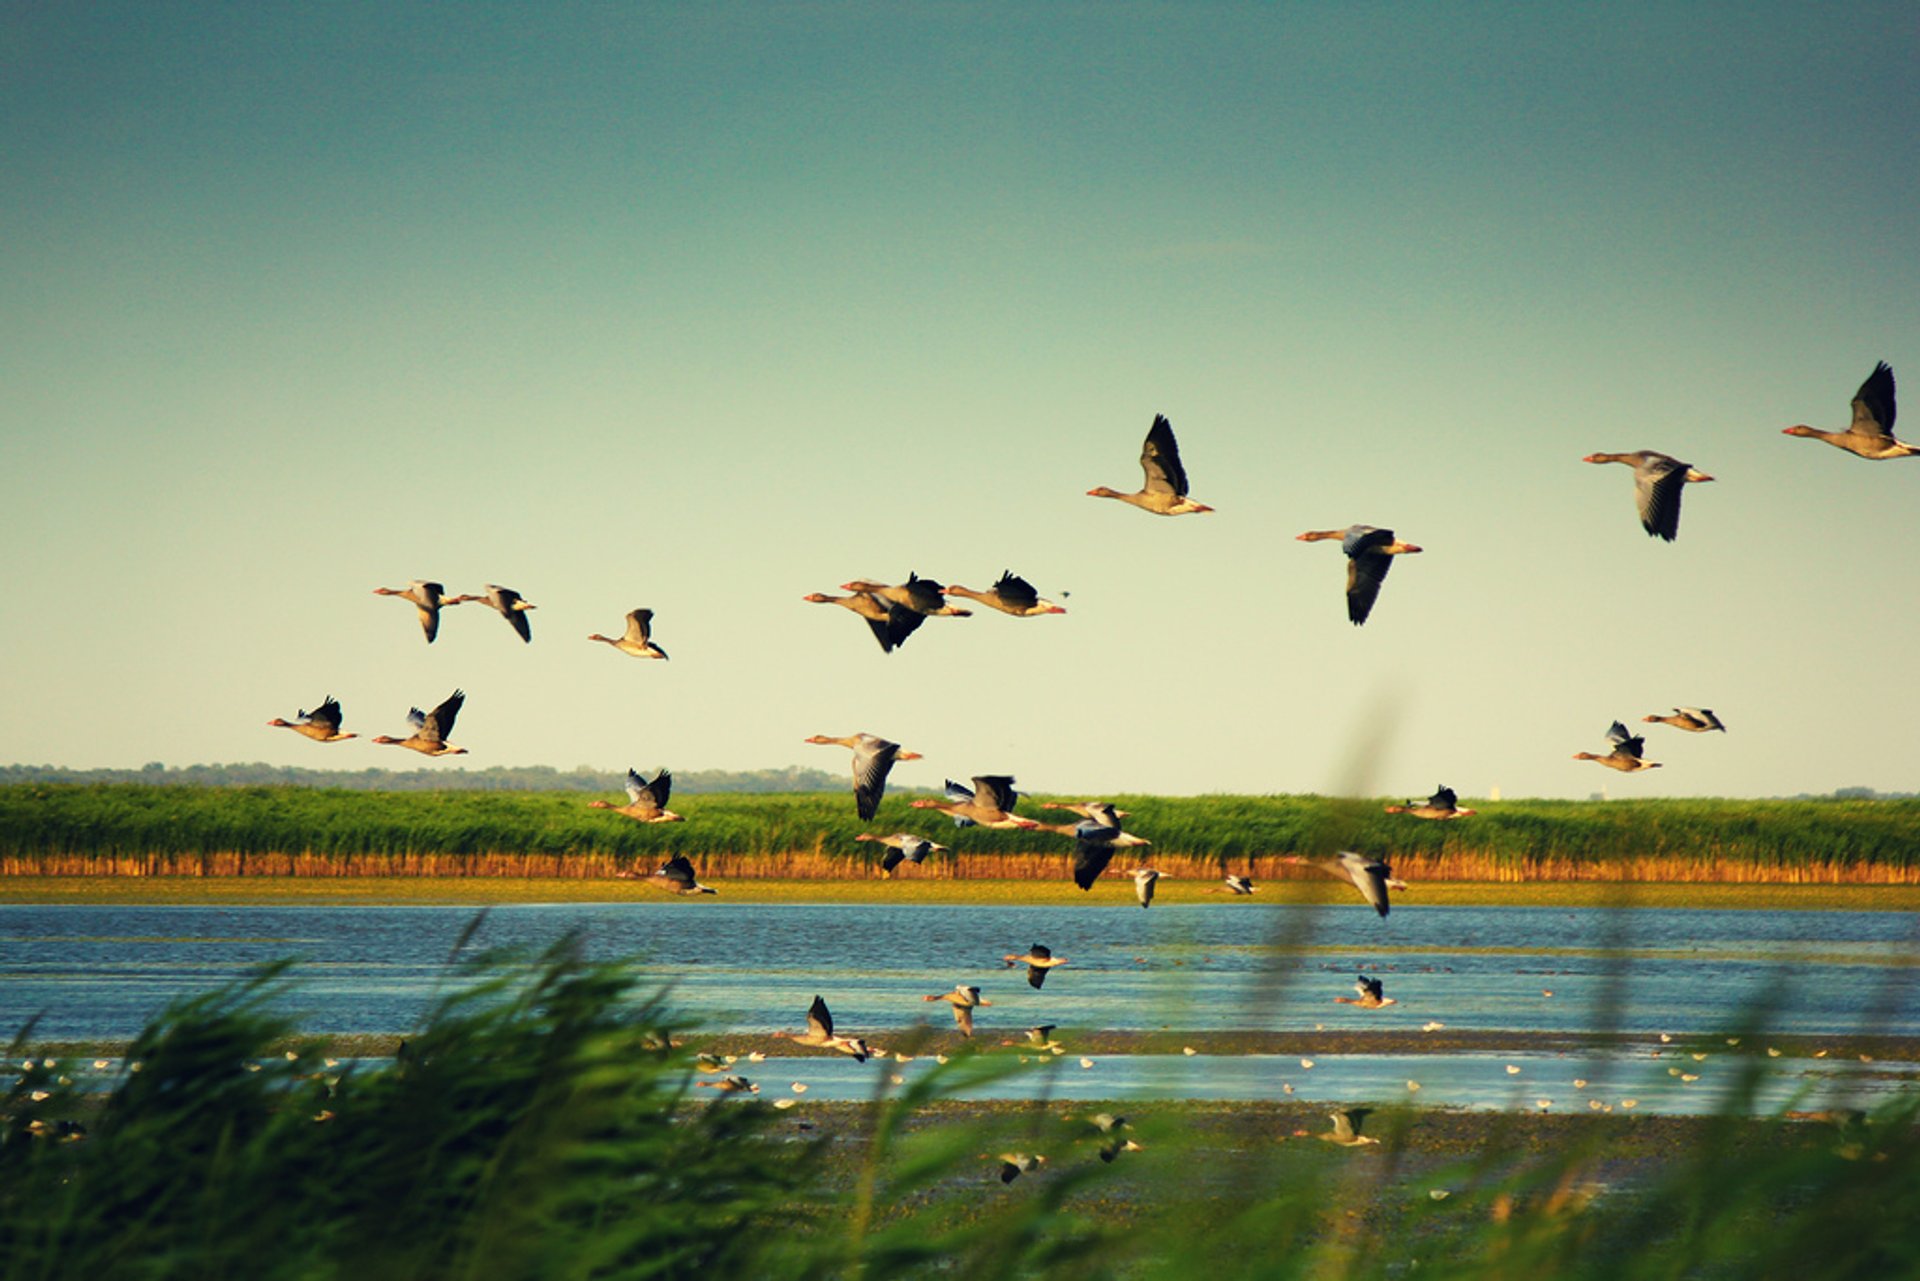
{"points": [[706, 307]]}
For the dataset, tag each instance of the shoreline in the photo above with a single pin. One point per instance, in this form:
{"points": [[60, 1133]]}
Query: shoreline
{"points": [[1111, 892]]}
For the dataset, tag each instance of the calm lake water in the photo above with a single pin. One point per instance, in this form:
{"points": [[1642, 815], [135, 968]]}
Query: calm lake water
{"points": [[99, 973]]}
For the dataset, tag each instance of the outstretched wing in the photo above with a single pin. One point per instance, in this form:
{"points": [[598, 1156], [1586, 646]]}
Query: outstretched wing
{"points": [[440, 723], [1016, 591], [1873, 407], [870, 776], [1092, 851], [819, 1018], [1160, 460], [1657, 483]]}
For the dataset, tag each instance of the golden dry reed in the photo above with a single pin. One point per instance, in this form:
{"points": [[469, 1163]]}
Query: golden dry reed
{"points": [[814, 864]]}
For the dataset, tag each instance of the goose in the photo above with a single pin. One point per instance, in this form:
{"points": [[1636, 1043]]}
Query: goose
{"points": [[638, 638], [819, 1034], [964, 1000], [1015, 1164], [921, 595], [731, 1085], [1625, 755], [1232, 884], [1093, 847], [1165, 491], [1370, 554], [646, 801], [1346, 1128], [1011, 595], [989, 802], [1657, 483], [430, 730], [322, 724], [873, 757], [1100, 812], [1144, 880], [1443, 804], [1038, 960], [508, 602], [1870, 435], [903, 847], [1695, 720], [1040, 1037], [891, 624], [427, 599], [1113, 1143], [1373, 994], [1369, 875], [675, 875]]}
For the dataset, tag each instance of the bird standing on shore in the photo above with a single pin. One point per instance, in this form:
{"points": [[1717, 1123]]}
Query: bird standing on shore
{"points": [[1165, 491]]}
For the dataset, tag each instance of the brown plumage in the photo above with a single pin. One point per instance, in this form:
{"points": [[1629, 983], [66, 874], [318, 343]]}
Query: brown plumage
{"points": [[1443, 804], [1695, 720], [1870, 434], [1165, 490], [638, 638], [427, 598], [430, 729], [988, 803], [921, 595], [646, 801], [1011, 595], [322, 724], [1625, 755], [873, 758], [1657, 484], [508, 602], [964, 1000], [1370, 554]]}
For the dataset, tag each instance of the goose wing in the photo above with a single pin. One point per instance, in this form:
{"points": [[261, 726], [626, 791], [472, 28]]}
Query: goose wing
{"points": [[901, 623], [1704, 715], [1657, 483], [819, 1018], [1444, 798], [1366, 571], [1369, 875], [870, 765], [1092, 851], [1015, 591], [1873, 407], [1160, 460], [639, 626], [439, 724], [327, 714], [676, 873], [997, 789]]}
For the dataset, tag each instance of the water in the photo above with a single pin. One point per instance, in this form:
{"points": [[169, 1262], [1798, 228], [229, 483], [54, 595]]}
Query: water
{"points": [[101, 972]]}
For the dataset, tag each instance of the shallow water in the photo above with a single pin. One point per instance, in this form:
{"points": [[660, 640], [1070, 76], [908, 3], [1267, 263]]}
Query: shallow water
{"points": [[100, 972]]}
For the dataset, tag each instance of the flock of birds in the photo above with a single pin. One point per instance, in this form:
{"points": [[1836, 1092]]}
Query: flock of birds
{"points": [[893, 612]]}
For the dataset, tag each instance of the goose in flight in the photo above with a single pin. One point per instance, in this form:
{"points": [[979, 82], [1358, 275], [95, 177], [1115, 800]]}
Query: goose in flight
{"points": [[322, 724], [902, 847], [430, 729], [427, 599], [1233, 884], [1870, 434], [638, 638], [1100, 812], [1015, 1164], [1372, 994], [921, 595], [989, 802], [1625, 755], [1165, 491], [508, 602], [1038, 960], [675, 876], [646, 801], [1443, 804], [1011, 595], [891, 624], [1657, 483], [1093, 847], [964, 1000], [1144, 880], [1346, 1128], [1369, 875], [819, 1034], [1370, 554], [1695, 720], [873, 758]]}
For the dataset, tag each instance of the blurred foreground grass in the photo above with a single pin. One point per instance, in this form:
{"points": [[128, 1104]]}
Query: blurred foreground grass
{"points": [[542, 1123]]}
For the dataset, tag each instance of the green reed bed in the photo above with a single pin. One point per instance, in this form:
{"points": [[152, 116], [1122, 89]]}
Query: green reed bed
{"points": [[542, 1123], [51, 828]]}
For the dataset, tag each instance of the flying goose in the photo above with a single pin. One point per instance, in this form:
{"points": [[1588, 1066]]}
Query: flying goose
{"points": [[508, 602], [430, 730], [646, 801], [427, 599], [1165, 491], [1625, 755], [1443, 804], [1038, 960], [902, 847], [873, 757], [638, 638], [1695, 720], [1011, 595], [965, 1000], [1369, 875], [1870, 435], [322, 724], [1370, 554], [891, 624]]}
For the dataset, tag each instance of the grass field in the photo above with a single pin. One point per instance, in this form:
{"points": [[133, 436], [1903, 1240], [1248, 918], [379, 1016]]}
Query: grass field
{"points": [[138, 830]]}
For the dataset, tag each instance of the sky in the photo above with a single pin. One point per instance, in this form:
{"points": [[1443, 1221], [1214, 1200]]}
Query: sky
{"points": [[705, 307]]}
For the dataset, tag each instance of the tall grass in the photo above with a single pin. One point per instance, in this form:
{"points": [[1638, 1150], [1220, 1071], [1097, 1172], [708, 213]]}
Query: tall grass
{"points": [[543, 1125], [131, 829]]}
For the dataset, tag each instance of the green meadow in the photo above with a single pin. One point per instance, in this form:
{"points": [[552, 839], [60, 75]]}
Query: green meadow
{"points": [[56, 829]]}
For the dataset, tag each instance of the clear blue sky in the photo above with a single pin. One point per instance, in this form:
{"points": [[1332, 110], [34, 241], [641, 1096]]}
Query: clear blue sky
{"points": [[706, 307]]}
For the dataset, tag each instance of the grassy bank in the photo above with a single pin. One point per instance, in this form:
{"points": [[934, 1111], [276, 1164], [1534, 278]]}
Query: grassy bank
{"points": [[134, 830], [545, 1123]]}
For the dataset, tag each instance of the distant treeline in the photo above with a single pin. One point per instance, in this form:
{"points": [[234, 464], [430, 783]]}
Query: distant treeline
{"points": [[139, 829], [497, 778]]}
